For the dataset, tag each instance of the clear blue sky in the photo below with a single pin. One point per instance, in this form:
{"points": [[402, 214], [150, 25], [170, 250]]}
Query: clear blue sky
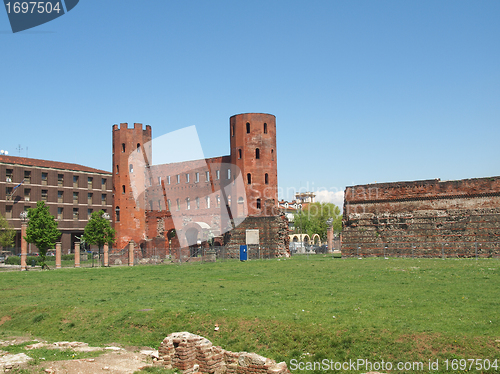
{"points": [[363, 91]]}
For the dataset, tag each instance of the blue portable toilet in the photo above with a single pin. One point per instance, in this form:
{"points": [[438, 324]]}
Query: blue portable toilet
{"points": [[243, 253]]}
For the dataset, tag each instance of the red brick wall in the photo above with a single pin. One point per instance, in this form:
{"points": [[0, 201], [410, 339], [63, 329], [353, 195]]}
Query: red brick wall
{"points": [[424, 214]]}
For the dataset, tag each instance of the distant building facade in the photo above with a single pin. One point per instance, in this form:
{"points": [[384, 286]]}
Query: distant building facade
{"points": [[72, 192]]}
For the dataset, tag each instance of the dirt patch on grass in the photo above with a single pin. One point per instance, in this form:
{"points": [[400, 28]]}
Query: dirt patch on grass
{"points": [[4, 319]]}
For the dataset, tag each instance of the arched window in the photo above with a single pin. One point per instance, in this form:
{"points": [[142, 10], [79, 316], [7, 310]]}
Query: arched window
{"points": [[123, 188], [266, 178], [257, 153], [117, 214], [249, 178], [240, 200], [138, 147], [239, 153], [265, 128], [248, 127], [258, 203]]}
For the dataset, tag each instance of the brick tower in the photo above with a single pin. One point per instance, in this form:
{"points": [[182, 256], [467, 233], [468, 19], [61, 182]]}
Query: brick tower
{"points": [[253, 150], [128, 204]]}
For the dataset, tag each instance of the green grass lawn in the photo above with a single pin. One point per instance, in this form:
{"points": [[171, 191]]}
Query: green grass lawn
{"points": [[295, 310]]}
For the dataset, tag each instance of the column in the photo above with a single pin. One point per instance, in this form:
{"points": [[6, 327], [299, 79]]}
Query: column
{"points": [[77, 254], [105, 255], [58, 255], [24, 246], [329, 238], [131, 253]]}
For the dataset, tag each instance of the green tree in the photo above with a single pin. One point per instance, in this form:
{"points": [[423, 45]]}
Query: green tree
{"points": [[313, 219], [7, 233], [99, 231], [42, 230]]}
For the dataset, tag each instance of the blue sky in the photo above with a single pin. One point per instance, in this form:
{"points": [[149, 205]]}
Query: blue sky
{"points": [[363, 91]]}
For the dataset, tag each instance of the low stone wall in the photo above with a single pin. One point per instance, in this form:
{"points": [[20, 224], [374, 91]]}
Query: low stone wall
{"points": [[192, 353]]}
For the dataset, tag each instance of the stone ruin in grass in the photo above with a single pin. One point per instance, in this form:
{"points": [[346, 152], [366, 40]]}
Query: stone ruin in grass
{"points": [[192, 353]]}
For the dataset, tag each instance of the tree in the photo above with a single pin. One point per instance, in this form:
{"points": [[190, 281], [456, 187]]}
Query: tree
{"points": [[7, 233], [313, 219], [42, 230], [98, 230]]}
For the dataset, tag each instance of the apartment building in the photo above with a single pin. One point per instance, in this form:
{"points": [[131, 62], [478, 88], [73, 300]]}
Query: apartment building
{"points": [[72, 192]]}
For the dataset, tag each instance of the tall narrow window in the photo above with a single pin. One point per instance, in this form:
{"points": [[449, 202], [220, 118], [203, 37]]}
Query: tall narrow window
{"points": [[169, 206], [103, 199], [248, 127], [27, 177], [159, 181], [232, 130], [60, 179], [249, 178], [89, 213], [217, 174], [44, 195], [272, 154], [90, 183], [123, 188], [188, 203], [138, 147], [207, 176], [168, 179], [178, 201], [75, 181], [239, 153], [228, 173], [257, 153], [9, 175], [197, 203], [117, 214], [207, 202], [60, 196], [75, 213], [90, 197], [187, 177], [103, 184], [75, 197], [265, 128], [123, 147], [131, 168], [178, 178], [159, 205], [27, 194], [59, 213], [44, 179], [258, 203], [197, 177], [117, 169], [266, 178]]}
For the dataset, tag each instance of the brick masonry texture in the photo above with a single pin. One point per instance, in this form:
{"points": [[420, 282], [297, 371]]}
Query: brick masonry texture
{"points": [[423, 217], [195, 354], [201, 197]]}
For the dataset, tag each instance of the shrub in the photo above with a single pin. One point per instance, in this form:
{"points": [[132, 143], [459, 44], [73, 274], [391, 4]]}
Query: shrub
{"points": [[68, 257], [13, 260]]}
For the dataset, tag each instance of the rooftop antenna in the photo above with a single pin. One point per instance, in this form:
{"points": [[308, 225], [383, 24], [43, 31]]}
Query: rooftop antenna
{"points": [[19, 149]]}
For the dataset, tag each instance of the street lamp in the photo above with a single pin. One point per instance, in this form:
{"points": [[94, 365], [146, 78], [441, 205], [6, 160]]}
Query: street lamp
{"points": [[24, 245]]}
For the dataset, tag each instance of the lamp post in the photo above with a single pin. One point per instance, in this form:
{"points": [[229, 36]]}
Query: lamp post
{"points": [[24, 244], [329, 234]]}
